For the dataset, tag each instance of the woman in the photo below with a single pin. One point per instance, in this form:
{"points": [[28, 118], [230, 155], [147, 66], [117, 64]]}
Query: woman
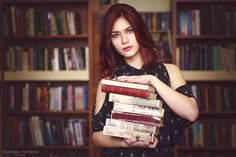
{"points": [[128, 52]]}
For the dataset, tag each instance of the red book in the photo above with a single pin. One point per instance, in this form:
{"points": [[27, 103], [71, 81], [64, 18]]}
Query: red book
{"points": [[133, 85], [129, 91], [137, 118]]}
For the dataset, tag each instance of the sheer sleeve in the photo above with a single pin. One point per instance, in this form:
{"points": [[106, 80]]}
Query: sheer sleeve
{"points": [[179, 123]]}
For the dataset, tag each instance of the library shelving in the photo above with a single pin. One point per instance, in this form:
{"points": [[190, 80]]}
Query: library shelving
{"points": [[204, 48], [47, 77]]}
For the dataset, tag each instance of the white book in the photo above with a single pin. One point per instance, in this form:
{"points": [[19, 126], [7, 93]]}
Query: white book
{"points": [[135, 100], [70, 22], [55, 60], [138, 109], [77, 136], [198, 23], [132, 126], [25, 60], [86, 58], [65, 51], [123, 133], [128, 84], [37, 130]]}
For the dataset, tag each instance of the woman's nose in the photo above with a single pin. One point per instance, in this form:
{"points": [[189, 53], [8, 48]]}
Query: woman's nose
{"points": [[124, 39]]}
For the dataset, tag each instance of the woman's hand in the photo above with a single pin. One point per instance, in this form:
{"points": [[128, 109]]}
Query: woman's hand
{"points": [[134, 142], [144, 79]]}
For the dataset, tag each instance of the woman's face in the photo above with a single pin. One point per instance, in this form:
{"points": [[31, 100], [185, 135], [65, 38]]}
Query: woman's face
{"points": [[123, 39]]}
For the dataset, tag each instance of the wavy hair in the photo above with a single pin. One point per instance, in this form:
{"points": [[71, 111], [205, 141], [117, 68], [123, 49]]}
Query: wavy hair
{"points": [[108, 56]]}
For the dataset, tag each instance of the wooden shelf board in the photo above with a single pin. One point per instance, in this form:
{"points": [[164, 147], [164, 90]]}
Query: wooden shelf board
{"points": [[205, 37], [205, 1], [74, 112], [40, 1], [205, 148], [210, 75], [77, 36], [47, 147], [47, 76]]}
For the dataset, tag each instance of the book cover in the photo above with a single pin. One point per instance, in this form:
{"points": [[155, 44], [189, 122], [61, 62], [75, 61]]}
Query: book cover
{"points": [[138, 109], [132, 126], [137, 118], [128, 84], [123, 133], [132, 100], [128, 91]]}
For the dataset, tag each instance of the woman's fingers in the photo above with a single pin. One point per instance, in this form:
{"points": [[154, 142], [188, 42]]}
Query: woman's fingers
{"points": [[154, 143], [135, 142]]}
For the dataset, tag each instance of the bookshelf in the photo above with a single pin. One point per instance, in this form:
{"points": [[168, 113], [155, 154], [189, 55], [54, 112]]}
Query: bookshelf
{"points": [[202, 36], [48, 75], [1, 83]]}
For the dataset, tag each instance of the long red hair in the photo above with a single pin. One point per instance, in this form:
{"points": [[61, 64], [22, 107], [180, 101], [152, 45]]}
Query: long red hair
{"points": [[108, 56]]}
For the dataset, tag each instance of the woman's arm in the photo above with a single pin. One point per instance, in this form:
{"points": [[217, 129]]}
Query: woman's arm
{"points": [[102, 140], [182, 105]]}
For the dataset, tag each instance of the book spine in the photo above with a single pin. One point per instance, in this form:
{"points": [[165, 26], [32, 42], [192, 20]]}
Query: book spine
{"points": [[138, 109], [141, 119], [132, 126], [128, 91], [135, 100], [128, 85], [117, 132]]}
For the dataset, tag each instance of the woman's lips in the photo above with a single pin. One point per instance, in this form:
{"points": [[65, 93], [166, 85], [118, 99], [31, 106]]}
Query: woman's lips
{"points": [[128, 48]]}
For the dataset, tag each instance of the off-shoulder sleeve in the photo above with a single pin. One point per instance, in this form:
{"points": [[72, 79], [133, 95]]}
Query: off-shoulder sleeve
{"points": [[99, 119], [179, 123]]}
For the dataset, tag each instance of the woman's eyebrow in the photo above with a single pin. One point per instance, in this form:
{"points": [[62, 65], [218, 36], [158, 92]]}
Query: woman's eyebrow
{"points": [[124, 30]]}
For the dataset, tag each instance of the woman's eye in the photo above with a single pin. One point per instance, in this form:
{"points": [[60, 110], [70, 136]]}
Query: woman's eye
{"points": [[130, 31], [114, 35]]}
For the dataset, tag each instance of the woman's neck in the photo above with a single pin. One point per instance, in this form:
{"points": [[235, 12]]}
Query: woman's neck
{"points": [[135, 61]]}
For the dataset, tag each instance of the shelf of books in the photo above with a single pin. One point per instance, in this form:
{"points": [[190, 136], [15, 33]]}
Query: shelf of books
{"points": [[47, 79], [204, 48]]}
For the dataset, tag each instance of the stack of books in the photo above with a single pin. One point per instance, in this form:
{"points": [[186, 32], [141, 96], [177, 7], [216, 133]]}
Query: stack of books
{"points": [[136, 112]]}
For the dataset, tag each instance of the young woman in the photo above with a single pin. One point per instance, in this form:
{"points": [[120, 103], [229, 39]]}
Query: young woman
{"points": [[128, 52]]}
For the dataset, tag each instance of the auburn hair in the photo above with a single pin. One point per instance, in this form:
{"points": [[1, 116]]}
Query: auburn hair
{"points": [[108, 56]]}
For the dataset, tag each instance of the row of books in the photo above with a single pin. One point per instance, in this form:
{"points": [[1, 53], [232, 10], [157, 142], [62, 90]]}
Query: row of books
{"points": [[216, 20], [213, 97], [19, 21], [211, 133], [206, 57], [157, 21], [55, 59], [49, 153], [41, 132], [207, 154], [34, 97], [135, 113]]}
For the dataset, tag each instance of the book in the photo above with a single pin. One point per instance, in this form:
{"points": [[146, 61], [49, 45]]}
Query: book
{"points": [[128, 91], [132, 126], [123, 133], [132, 100], [128, 85], [138, 109], [137, 118]]}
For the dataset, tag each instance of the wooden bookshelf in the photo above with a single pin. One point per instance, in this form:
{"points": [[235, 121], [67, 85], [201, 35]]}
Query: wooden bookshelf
{"points": [[206, 78], [84, 37]]}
